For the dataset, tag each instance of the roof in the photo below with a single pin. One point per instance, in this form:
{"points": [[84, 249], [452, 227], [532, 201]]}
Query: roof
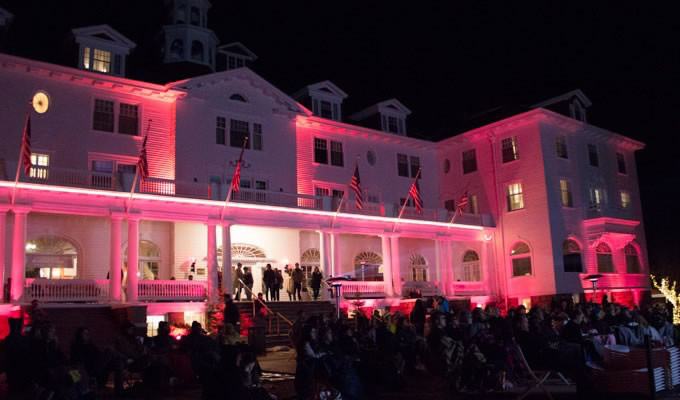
{"points": [[104, 33], [326, 86], [237, 48], [374, 109], [566, 96]]}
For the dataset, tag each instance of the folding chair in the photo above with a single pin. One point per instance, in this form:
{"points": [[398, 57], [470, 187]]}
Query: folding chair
{"points": [[535, 381]]}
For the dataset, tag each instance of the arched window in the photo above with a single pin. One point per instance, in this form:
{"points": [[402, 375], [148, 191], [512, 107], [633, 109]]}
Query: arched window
{"points": [[177, 48], [51, 257], [469, 269], [309, 259], [571, 256], [418, 267], [149, 260], [632, 259], [197, 50], [246, 251], [605, 261], [368, 266], [238, 97], [520, 255], [195, 16]]}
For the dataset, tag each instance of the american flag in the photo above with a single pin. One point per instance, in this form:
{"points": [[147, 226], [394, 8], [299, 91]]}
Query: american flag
{"points": [[142, 164], [26, 146], [236, 181], [355, 184], [463, 202], [415, 193]]}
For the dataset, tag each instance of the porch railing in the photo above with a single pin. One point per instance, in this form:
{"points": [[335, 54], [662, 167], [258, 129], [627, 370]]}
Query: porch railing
{"points": [[67, 290], [71, 177], [281, 199], [168, 187], [425, 288], [469, 289], [173, 290], [352, 289]]}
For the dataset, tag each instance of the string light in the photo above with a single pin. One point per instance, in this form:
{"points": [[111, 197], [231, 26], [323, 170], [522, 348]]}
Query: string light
{"points": [[671, 296]]}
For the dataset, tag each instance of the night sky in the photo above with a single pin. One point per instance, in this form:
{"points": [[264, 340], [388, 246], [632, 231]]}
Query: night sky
{"points": [[446, 61]]}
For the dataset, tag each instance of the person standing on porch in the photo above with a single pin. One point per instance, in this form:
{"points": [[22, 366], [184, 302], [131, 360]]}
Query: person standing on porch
{"points": [[238, 286], [290, 285], [316, 282], [278, 285], [297, 276], [248, 280], [269, 278]]}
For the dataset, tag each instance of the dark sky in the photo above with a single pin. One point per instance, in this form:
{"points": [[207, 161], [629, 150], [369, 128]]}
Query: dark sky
{"points": [[445, 61]]}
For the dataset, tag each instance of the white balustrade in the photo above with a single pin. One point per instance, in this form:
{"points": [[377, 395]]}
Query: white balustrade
{"points": [[67, 290], [281, 199], [350, 289], [173, 290], [71, 177], [469, 289], [425, 288], [168, 187]]}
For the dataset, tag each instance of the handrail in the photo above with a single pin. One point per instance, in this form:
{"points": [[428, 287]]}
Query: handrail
{"points": [[323, 281], [263, 304]]}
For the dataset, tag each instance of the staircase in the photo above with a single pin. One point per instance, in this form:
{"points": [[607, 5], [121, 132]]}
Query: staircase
{"points": [[287, 309]]}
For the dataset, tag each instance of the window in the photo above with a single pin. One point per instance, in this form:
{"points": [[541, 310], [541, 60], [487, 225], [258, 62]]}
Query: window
{"points": [[446, 166], [177, 48], [234, 62], [101, 62], [521, 260], [238, 132], [40, 163], [196, 50], [216, 179], [415, 167], [632, 259], [509, 147], [128, 119], [571, 256], [372, 197], [103, 117], [86, 58], [338, 194], [595, 197], [515, 197], [605, 262], [625, 199], [621, 163], [561, 146], [450, 205], [469, 270], [325, 109], [592, 155], [220, 130], [238, 97], [320, 151], [195, 16], [257, 136], [105, 169], [402, 165], [469, 161], [392, 124], [473, 209], [565, 188], [337, 158], [370, 157]]}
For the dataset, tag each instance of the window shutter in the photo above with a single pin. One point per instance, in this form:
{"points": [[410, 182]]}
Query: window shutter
{"points": [[116, 64]]}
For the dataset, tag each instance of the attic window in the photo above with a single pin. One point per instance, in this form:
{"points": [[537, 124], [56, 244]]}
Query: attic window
{"points": [[326, 109], [101, 61], [577, 111], [234, 62], [392, 124], [238, 97]]}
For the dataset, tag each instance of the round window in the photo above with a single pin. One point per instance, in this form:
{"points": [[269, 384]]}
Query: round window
{"points": [[447, 166], [370, 157]]}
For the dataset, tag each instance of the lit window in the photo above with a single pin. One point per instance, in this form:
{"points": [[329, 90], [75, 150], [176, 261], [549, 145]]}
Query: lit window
{"points": [[152, 324], [593, 157], [86, 58], [473, 209], [515, 197], [521, 260], [625, 200], [320, 151], [101, 61], [565, 188], [257, 136], [40, 163], [632, 260], [605, 261], [595, 197], [561, 146], [571, 256], [509, 148], [469, 161], [128, 119], [621, 163], [337, 157]]}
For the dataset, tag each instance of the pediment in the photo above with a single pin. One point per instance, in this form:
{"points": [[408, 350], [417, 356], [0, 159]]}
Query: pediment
{"points": [[237, 48], [103, 34]]}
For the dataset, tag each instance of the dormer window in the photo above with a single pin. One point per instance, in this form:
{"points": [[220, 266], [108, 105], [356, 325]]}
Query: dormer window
{"points": [[392, 124], [324, 98], [234, 62], [577, 111], [387, 116], [102, 49], [326, 109], [101, 61]]}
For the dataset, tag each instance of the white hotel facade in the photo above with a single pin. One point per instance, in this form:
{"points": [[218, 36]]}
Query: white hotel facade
{"points": [[553, 198]]}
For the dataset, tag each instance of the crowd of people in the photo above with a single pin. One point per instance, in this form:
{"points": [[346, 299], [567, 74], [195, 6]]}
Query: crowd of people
{"points": [[274, 280]]}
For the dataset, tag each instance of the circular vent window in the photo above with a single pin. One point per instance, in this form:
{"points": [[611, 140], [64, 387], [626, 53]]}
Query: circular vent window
{"points": [[370, 157], [447, 166]]}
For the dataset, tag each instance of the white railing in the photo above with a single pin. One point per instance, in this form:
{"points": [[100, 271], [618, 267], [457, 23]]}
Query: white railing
{"points": [[350, 289], [71, 177], [602, 210], [66, 290], [173, 290], [425, 288], [281, 199], [349, 206], [411, 213], [168, 187], [469, 289]]}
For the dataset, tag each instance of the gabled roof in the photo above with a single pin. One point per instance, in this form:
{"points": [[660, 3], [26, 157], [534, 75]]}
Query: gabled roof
{"points": [[323, 86], [104, 34], [392, 104], [566, 96], [237, 48], [245, 73]]}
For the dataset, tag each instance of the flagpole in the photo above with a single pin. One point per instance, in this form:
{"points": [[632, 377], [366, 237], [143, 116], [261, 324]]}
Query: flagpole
{"points": [[231, 186], [408, 195], [342, 199], [21, 153], [134, 181], [458, 209]]}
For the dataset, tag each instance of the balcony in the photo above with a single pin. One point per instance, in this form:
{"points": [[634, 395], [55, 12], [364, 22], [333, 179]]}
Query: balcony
{"points": [[595, 211]]}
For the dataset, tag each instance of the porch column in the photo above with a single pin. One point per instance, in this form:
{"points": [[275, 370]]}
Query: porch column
{"points": [[335, 249], [438, 264], [133, 259], [324, 253], [3, 270], [387, 265], [115, 259], [396, 265], [212, 261], [485, 267], [227, 284], [18, 255], [448, 265]]}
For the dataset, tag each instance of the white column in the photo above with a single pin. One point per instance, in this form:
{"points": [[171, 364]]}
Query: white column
{"points": [[212, 261], [438, 264], [18, 255], [3, 270], [337, 259], [133, 259], [324, 252], [226, 258], [448, 262], [387, 265], [486, 277], [396, 265], [115, 259]]}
